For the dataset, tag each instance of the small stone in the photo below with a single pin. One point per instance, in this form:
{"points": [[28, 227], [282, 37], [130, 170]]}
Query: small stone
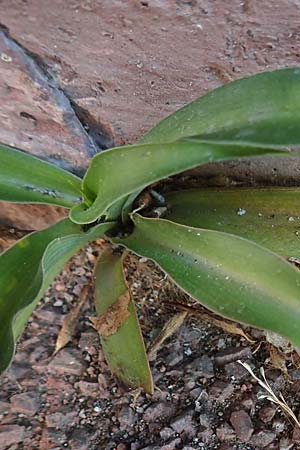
{"points": [[66, 363], [236, 372], [87, 340], [92, 258], [82, 414], [173, 445], [201, 400], [184, 424], [88, 389], [61, 421], [10, 435], [58, 303], [158, 411], [103, 391], [97, 409], [242, 425], [121, 447], [285, 444], [278, 426], [81, 439], [25, 403], [296, 435], [4, 408], [173, 358], [225, 433], [267, 413], [59, 287], [206, 367], [166, 433], [221, 391], [126, 418], [263, 439], [295, 374]]}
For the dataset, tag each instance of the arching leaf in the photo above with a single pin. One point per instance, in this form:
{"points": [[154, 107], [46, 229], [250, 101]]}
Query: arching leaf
{"points": [[118, 325], [230, 275], [268, 216], [121, 170], [260, 110], [27, 269], [27, 179]]}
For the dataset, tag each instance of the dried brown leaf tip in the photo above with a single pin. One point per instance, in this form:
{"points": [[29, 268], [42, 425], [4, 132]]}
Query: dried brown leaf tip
{"points": [[70, 322], [109, 322]]}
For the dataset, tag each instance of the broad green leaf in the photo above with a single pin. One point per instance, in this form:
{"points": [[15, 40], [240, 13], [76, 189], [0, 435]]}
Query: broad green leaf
{"points": [[261, 110], [27, 269], [121, 170], [27, 179], [230, 275], [118, 325], [268, 216]]}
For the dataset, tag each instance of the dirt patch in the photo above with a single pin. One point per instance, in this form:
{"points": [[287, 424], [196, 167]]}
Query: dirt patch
{"points": [[203, 398]]}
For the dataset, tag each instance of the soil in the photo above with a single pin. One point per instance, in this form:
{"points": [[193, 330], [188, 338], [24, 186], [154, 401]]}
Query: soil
{"points": [[203, 399]]}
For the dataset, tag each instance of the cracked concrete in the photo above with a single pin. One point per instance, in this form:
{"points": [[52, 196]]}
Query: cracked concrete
{"points": [[83, 75]]}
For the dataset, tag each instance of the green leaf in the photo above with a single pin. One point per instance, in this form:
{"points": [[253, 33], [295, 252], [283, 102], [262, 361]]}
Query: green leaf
{"points": [[121, 170], [118, 325], [261, 110], [27, 269], [230, 275], [268, 216], [27, 179]]}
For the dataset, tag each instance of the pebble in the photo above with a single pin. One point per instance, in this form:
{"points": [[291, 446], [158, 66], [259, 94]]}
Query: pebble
{"points": [[25, 403], [10, 435], [263, 439], [267, 413], [185, 424], [206, 367], [225, 433], [66, 363], [236, 372], [126, 418], [242, 425], [61, 421], [221, 391], [285, 444], [296, 435], [81, 439], [58, 303], [159, 411], [278, 426], [166, 433], [173, 445], [4, 408], [87, 340], [88, 389]]}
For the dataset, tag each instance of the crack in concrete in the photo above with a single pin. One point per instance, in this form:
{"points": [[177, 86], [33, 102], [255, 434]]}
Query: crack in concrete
{"points": [[98, 137]]}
